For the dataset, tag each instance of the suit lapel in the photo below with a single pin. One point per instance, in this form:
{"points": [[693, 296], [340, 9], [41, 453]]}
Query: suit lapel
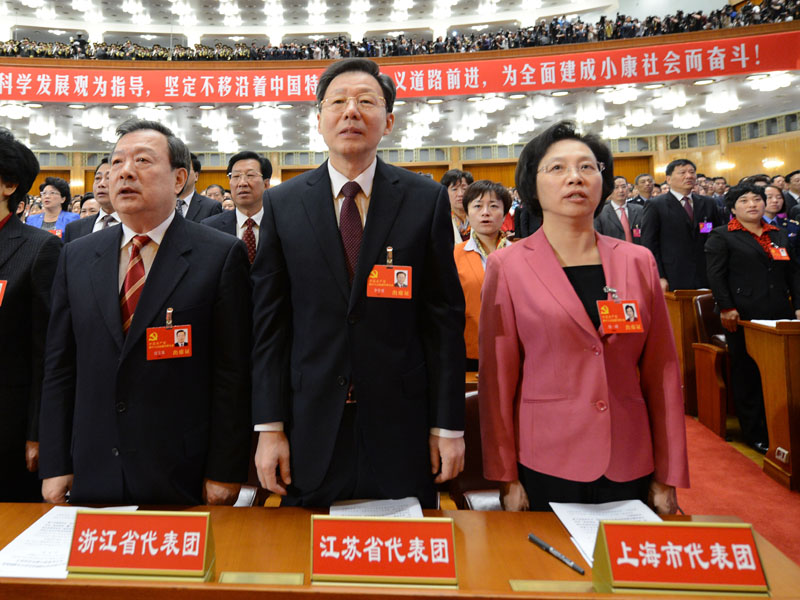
{"points": [[550, 273], [169, 267], [612, 219], [678, 212], [10, 239], [230, 223], [318, 205], [194, 208], [383, 206], [615, 268], [104, 275]]}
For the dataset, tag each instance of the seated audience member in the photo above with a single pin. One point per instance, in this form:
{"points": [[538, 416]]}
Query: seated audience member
{"points": [[456, 182], [568, 412], [55, 201], [750, 281], [618, 218], [28, 259], [485, 203], [249, 175]]}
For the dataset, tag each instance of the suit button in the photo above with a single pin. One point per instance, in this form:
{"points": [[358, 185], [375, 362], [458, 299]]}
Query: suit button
{"points": [[596, 350], [601, 405], [121, 407], [115, 451], [352, 319], [341, 380]]}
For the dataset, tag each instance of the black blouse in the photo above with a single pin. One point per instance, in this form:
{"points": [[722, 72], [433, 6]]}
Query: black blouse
{"points": [[588, 282]]}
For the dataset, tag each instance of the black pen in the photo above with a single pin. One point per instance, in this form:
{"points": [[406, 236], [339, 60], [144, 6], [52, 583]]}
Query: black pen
{"points": [[548, 548]]}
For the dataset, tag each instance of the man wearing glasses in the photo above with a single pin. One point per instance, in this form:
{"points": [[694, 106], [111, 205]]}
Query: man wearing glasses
{"points": [[249, 175], [356, 396]]}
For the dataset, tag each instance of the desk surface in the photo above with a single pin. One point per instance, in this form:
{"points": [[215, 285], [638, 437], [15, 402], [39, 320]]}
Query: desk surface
{"points": [[491, 549]]}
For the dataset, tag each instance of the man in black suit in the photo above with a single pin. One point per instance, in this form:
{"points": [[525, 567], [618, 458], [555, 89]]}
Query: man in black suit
{"points": [[107, 217], [356, 396], [675, 228], [643, 184], [28, 258], [121, 424], [792, 195], [620, 219], [191, 205], [249, 175]]}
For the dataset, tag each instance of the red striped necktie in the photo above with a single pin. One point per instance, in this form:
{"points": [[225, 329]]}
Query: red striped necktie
{"points": [[134, 282]]}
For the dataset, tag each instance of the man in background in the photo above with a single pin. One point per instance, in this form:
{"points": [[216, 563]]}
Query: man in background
{"points": [[107, 217], [191, 205]]}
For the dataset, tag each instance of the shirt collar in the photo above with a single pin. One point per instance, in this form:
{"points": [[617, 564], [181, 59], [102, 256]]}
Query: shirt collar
{"points": [[616, 206], [680, 196], [188, 197], [471, 246], [156, 234], [241, 218], [364, 179]]}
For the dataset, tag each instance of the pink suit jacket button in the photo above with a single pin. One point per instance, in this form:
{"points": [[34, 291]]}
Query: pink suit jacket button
{"points": [[601, 405]]}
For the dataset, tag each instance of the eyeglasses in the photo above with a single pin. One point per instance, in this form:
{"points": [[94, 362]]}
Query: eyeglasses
{"points": [[586, 169], [250, 176], [49, 193], [364, 102]]}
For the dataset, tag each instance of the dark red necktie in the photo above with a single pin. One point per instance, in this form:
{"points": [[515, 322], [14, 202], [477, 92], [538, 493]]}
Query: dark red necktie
{"points": [[350, 226], [249, 239], [134, 281], [687, 205]]}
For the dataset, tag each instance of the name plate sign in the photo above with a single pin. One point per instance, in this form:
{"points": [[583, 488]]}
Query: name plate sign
{"points": [[149, 543], [677, 556], [382, 550]]}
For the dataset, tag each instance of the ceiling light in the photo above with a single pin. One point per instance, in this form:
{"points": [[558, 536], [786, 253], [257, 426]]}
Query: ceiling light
{"points": [[164, 106], [723, 165], [560, 94], [474, 98], [33, 105], [772, 82], [653, 86], [703, 82], [614, 131], [245, 107], [772, 163], [435, 101], [56, 31], [120, 107], [685, 119], [517, 96], [206, 107], [76, 106], [285, 106], [399, 102], [722, 102]]}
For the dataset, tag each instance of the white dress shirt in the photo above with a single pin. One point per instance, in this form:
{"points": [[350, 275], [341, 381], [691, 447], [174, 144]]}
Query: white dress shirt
{"points": [[240, 226], [98, 222], [148, 252]]}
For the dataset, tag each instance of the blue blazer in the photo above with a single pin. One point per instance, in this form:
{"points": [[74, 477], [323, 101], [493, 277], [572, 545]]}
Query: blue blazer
{"points": [[61, 223]]}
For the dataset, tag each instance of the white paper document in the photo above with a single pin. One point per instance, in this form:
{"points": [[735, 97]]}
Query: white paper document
{"points": [[404, 508], [583, 520], [42, 550], [768, 323]]}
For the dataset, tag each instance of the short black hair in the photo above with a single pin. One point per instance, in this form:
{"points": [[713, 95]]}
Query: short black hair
{"points": [[740, 190], [266, 166], [620, 177], [640, 175], [455, 175], [18, 165], [63, 188], [532, 153], [718, 177], [221, 189], [103, 161], [196, 165], [363, 65], [679, 162], [484, 186], [788, 178], [178, 152], [760, 178]]}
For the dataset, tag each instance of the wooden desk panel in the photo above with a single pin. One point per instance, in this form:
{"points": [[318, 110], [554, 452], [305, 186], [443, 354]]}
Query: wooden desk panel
{"points": [[491, 549], [680, 307], [776, 351]]}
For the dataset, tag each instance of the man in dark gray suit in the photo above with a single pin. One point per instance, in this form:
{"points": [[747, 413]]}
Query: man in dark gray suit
{"points": [[191, 205], [620, 219], [357, 396], [124, 421], [249, 175], [107, 217], [28, 258]]}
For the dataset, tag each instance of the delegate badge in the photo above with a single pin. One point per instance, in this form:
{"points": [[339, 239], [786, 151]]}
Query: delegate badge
{"points": [[3, 284], [619, 316], [389, 281], [169, 342], [774, 251], [705, 227]]}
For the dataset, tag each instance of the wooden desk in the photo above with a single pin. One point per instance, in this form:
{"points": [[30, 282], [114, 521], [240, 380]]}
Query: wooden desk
{"points": [[491, 548], [680, 306], [776, 350]]}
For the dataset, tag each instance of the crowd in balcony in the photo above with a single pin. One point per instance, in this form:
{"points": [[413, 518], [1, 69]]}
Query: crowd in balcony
{"points": [[558, 30]]}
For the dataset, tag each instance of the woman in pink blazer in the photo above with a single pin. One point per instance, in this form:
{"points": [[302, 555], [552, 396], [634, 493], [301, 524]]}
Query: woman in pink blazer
{"points": [[569, 412]]}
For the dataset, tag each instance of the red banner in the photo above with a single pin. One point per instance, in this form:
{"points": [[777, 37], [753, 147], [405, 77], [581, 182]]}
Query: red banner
{"points": [[674, 555], [667, 62], [383, 550], [143, 542]]}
